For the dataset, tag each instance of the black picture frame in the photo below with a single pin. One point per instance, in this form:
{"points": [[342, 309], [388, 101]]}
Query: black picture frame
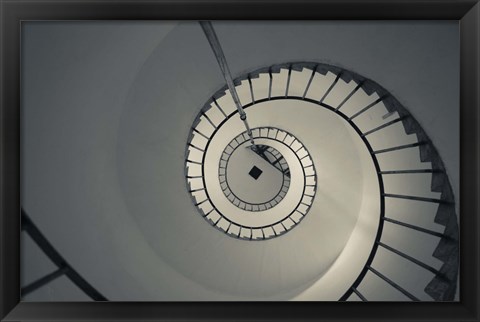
{"points": [[13, 12]]}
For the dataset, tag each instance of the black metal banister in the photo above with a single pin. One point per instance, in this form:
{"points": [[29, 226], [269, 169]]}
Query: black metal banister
{"points": [[310, 81], [270, 83], [251, 89], [410, 258], [381, 127], [64, 267], [197, 131], [194, 177], [354, 290], [43, 280], [390, 195], [423, 230], [363, 110], [197, 190], [209, 120], [288, 80], [400, 147], [218, 106], [330, 88], [393, 107], [359, 85], [410, 171], [196, 147], [392, 283], [194, 162]]}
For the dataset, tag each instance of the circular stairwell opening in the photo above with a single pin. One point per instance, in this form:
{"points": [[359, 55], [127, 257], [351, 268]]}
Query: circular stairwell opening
{"points": [[397, 156], [275, 178]]}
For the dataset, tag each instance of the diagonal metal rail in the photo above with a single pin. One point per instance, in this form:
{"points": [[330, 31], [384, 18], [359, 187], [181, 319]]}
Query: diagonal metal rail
{"points": [[222, 62], [441, 286], [63, 267]]}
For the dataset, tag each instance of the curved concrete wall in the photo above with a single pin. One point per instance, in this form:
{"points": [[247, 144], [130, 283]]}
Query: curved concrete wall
{"points": [[77, 82]]}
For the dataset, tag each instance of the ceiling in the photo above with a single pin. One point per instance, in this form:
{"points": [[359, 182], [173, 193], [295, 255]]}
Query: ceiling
{"points": [[106, 112]]}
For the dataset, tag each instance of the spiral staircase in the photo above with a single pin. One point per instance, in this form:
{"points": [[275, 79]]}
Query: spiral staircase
{"points": [[415, 235], [370, 110]]}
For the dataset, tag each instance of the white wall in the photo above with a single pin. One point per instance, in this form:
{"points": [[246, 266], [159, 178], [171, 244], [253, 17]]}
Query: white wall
{"points": [[85, 86]]}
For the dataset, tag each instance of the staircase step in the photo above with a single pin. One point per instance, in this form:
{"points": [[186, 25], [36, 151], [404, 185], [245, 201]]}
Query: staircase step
{"points": [[243, 92], [390, 136], [215, 115], [319, 85], [339, 92], [279, 83], [226, 103], [406, 273], [404, 159], [422, 214], [260, 86], [194, 155], [360, 103], [418, 202], [298, 82], [374, 118], [415, 184], [416, 244], [370, 286]]}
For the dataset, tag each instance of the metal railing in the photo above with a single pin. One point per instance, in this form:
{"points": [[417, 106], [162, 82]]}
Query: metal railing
{"points": [[446, 274], [449, 238], [197, 186], [63, 267]]}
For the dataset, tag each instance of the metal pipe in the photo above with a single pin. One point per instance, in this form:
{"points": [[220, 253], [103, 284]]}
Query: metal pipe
{"points": [[43, 281], [222, 62]]}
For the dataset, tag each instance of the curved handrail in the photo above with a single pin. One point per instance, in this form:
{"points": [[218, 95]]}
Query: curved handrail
{"points": [[448, 272], [291, 216], [63, 267]]}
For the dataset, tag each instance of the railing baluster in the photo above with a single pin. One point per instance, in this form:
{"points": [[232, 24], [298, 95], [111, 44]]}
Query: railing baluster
{"points": [[363, 110], [218, 106], [199, 203], [251, 89], [395, 285], [330, 88], [410, 258], [57, 259], [410, 171], [310, 81], [44, 280], [276, 161], [196, 190], [270, 84], [288, 80], [383, 126], [400, 147], [209, 120], [359, 85], [390, 195], [354, 290], [196, 147], [197, 131], [208, 213], [423, 230]]}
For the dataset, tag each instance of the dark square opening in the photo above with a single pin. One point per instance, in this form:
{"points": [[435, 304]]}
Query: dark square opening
{"points": [[255, 172]]}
